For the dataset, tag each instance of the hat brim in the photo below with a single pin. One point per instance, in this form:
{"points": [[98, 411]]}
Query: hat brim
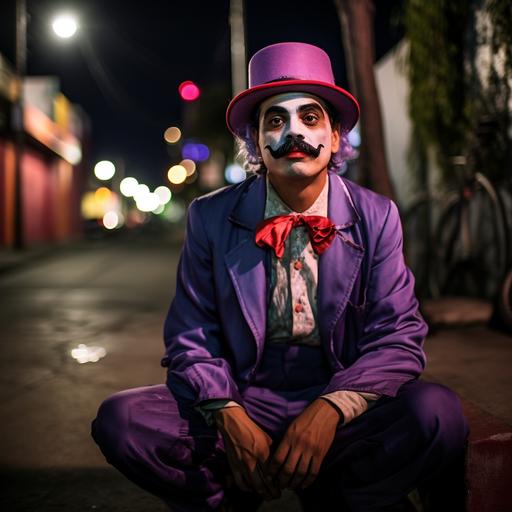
{"points": [[240, 109]]}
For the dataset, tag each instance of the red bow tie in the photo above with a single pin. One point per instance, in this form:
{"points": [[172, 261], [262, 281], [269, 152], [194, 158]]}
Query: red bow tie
{"points": [[275, 230]]}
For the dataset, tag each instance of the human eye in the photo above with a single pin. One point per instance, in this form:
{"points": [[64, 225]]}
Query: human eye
{"points": [[275, 121], [310, 118]]}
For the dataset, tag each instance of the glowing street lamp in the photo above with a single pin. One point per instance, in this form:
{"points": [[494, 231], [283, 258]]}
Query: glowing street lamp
{"points": [[65, 26]]}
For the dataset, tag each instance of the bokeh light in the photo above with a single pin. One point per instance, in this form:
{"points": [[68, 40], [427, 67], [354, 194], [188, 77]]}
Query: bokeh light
{"points": [[65, 26], [141, 191], [354, 137], [88, 354], [234, 173], [189, 165], [195, 151], [128, 186], [104, 170], [177, 174], [102, 194], [189, 91], [172, 135], [110, 220], [163, 193], [148, 202]]}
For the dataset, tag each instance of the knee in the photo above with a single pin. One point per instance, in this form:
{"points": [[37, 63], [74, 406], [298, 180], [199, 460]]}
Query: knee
{"points": [[111, 426], [437, 413]]}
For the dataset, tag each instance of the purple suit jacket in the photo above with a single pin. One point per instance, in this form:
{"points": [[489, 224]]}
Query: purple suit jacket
{"points": [[370, 327]]}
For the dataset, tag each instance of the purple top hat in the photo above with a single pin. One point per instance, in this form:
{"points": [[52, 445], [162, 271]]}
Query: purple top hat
{"points": [[289, 67]]}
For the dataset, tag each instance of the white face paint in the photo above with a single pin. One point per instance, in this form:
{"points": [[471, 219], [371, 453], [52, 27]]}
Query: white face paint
{"points": [[302, 115]]}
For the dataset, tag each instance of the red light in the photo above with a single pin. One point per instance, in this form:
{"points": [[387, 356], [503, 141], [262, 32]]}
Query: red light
{"points": [[189, 91]]}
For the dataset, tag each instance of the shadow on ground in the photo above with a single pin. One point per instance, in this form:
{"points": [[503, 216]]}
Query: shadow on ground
{"points": [[92, 489]]}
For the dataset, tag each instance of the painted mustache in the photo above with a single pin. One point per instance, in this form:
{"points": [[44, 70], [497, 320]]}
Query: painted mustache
{"points": [[295, 144]]}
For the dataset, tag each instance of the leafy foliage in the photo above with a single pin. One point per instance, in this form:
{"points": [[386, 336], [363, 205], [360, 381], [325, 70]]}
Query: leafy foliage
{"points": [[460, 56]]}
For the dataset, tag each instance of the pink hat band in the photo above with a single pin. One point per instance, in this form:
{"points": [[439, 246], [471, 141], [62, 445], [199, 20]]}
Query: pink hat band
{"points": [[289, 67]]}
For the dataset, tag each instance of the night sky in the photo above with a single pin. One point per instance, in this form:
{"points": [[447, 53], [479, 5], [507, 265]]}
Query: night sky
{"points": [[126, 63]]}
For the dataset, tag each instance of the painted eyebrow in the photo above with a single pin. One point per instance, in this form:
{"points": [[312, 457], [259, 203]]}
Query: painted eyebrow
{"points": [[302, 108]]}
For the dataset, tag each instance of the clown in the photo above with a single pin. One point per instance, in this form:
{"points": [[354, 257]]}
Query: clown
{"points": [[294, 344]]}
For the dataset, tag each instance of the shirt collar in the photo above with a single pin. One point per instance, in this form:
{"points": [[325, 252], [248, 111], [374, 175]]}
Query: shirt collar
{"points": [[274, 205]]}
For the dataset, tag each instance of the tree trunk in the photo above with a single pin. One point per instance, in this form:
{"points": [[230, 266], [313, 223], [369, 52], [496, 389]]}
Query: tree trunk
{"points": [[356, 18]]}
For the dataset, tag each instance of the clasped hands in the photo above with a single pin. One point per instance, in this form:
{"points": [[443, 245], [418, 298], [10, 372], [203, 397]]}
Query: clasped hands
{"points": [[296, 461]]}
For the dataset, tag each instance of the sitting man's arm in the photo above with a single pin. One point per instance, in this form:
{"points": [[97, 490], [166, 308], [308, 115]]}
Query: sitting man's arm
{"points": [[197, 370]]}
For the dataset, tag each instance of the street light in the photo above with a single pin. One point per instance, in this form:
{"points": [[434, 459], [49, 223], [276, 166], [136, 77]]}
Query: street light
{"points": [[65, 26]]}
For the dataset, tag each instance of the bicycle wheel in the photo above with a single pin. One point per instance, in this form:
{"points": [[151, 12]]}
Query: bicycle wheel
{"points": [[471, 247], [505, 299]]}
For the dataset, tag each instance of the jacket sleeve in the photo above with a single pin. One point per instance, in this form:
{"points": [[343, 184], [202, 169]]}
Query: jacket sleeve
{"points": [[350, 404], [390, 348], [197, 370]]}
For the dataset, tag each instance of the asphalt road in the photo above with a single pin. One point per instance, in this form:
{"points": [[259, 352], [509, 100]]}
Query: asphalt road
{"points": [[114, 295]]}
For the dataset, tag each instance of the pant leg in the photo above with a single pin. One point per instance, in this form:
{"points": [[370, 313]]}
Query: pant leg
{"points": [[163, 447], [416, 438]]}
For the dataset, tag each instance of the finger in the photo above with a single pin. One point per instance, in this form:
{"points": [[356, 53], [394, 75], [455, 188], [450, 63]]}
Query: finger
{"points": [[288, 468], [314, 468], [274, 466], [255, 479], [271, 490], [240, 481], [301, 472]]}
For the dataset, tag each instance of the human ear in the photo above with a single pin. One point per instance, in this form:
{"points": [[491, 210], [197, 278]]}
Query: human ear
{"points": [[335, 139]]}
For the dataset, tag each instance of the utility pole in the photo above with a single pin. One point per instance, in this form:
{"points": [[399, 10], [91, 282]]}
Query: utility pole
{"points": [[238, 50], [17, 121]]}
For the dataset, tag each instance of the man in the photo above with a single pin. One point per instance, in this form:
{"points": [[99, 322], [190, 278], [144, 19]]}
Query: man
{"points": [[294, 342]]}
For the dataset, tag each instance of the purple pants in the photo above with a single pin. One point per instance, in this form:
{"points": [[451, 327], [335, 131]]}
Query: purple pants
{"points": [[417, 438]]}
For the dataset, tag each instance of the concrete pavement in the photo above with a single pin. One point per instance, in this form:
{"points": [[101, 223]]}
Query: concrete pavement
{"points": [[114, 295]]}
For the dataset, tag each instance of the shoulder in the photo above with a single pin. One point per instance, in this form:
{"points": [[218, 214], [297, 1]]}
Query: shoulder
{"points": [[372, 207], [221, 199], [366, 200]]}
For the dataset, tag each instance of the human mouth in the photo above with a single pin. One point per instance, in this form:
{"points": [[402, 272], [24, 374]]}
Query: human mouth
{"points": [[296, 154]]}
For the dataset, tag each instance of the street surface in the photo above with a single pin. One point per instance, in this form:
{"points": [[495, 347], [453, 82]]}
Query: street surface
{"points": [[114, 295]]}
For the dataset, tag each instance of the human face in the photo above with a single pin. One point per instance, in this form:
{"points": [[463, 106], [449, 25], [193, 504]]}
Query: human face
{"points": [[285, 121]]}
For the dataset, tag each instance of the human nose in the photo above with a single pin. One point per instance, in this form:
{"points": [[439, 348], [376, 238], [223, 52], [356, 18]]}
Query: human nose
{"points": [[295, 127]]}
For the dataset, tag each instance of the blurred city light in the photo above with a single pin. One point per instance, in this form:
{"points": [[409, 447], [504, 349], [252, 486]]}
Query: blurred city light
{"points": [[102, 194], [234, 173], [189, 91], [189, 165], [159, 209], [354, 137], [141, 191], [104, 170], [177, 174], [84, 354], [148, 202], [65, 26], [172, 135], [174, 211], [111, 220], [128, 186], [164, 194], [195, 151]]}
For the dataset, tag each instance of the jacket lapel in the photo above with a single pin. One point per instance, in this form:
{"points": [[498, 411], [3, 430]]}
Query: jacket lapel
{"points": [[247, 263], [338, 265]]}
